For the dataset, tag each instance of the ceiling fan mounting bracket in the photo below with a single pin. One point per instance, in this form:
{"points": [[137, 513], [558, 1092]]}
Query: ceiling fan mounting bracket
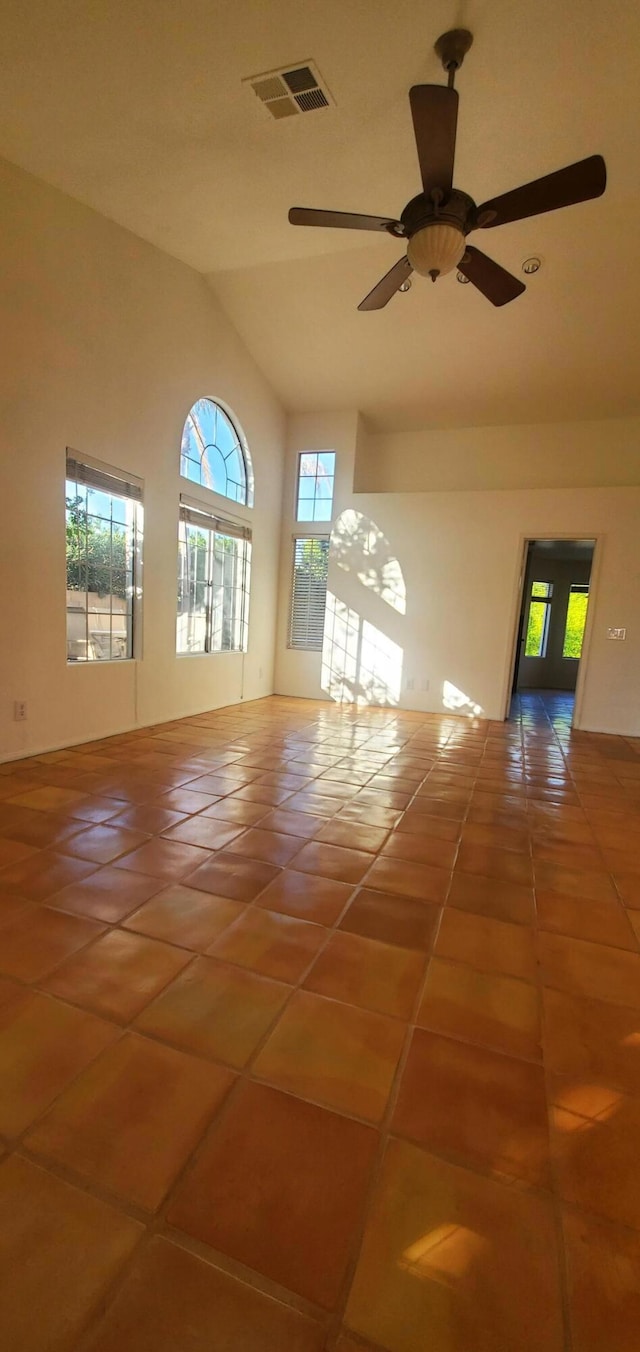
{"points": [[452, 48]]}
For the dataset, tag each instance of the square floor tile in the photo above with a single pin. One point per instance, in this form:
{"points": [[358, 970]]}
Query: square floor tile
{"points": [[352, 834], [270, 847], [109, 894], [477, 1106], [595, 1143], [574, 882], [391, 919], [301, 824], [464, 1257], [37, 939], [167, 859], [420, 849], [436, 828], [309, 898], [279, 1186], [334, 1054], [13, 851], [131, 1120], [261, 793], [365, 972], [184, 916], [47, 799], [491, 945], [604, 1294], [232, 810], [227, 875], [43, 1046], [492, 897], [484, 1007], [592, 970], [173, 1300], [62, 1250], [423, 881], [602, 922], [117, 975], [205, 832], [216, 1010], [149, 818], [496, 836], [42, 874], [506, 865], [102, 843], [591, 1040], [276, 945], [42, 830], [183, 800], [332, 861]]}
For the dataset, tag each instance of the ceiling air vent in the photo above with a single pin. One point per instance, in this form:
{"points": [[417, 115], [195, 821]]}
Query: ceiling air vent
{"points": [[291, 90]]}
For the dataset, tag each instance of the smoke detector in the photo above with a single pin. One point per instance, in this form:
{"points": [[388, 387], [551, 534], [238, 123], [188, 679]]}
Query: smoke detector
{"points": [[291, 90]]}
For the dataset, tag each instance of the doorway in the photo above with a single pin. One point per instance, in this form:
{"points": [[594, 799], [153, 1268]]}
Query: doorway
{"points": [[551, 627]]}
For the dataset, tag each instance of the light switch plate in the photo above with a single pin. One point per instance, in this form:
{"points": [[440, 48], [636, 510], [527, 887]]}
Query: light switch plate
{"points": [[616, 633]]}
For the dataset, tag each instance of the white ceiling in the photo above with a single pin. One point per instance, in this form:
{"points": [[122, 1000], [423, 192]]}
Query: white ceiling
{"points": [[136, 107]]}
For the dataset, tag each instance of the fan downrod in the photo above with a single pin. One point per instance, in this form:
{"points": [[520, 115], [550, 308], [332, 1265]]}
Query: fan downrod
{"points": [[452, 48]]}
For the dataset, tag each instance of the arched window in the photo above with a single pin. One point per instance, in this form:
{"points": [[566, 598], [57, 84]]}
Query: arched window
{"points": [[214, 454]]}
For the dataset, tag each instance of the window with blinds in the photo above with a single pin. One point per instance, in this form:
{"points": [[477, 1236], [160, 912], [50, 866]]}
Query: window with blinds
{"points": [[308, 592], [103, 547], [214, 566]]}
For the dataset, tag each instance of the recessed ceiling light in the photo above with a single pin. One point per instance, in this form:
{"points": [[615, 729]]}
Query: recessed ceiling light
{"points": [[531, 265]]}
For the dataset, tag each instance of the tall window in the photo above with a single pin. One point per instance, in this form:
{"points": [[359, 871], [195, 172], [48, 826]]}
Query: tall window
{"points": [[104, 532], [576, 619], [316, 475], [308, 592], [213, 455], [538, 620], [214, 563]]}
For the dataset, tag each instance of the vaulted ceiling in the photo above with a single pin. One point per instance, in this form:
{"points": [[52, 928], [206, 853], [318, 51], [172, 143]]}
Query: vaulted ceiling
{"points": [[137, 108]]}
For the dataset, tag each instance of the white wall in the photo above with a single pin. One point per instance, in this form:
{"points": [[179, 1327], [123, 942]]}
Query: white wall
{"points": [[107, 343], [599, 454], [460, 554]]}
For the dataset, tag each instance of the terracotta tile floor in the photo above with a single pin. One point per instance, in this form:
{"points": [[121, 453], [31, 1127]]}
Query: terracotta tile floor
{"points": [[320, 1032]]}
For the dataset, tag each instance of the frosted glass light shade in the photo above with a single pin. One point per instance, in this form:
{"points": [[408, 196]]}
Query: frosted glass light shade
{"points": [[436, 249]]}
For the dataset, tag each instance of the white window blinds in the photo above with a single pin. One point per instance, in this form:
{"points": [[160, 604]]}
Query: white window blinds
{"points": [[308, 592]]}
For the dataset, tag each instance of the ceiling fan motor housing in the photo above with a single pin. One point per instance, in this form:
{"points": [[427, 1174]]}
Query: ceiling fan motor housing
{"points": [[456, 208]]}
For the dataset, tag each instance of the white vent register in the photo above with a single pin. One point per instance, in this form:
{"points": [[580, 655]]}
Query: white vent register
{"points": [[291, 90]]}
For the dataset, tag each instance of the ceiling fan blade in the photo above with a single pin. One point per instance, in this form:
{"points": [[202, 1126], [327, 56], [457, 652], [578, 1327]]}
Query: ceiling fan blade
{"points": [[434, 109], [387, 286], [498, 285], [577, 183], [343, 220]]}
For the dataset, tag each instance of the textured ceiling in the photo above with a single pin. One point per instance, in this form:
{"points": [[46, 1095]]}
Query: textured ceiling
{"points": [[136, 107]]}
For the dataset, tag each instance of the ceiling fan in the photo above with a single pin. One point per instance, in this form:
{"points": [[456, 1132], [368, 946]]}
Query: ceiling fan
{"points": [[437, 221]]}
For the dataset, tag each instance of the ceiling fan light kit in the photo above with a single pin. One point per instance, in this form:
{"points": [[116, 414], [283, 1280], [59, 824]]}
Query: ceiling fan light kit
{"points": [[437, 222]]}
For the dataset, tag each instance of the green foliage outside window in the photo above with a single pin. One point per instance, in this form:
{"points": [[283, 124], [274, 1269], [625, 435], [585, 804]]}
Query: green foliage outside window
{"points": [[576, 620], [96, 554]]}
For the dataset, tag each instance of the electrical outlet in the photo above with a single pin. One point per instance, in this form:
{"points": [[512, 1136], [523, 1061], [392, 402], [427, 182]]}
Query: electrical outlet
{"points": [[20, 710], [410, 683]]}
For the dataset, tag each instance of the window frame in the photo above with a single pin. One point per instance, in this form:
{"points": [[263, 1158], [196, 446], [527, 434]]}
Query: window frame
{"points": [[242, 447], [579, 589], [317, 644], [193, 514], [546, 601], [312, 522], [97, 476]]}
